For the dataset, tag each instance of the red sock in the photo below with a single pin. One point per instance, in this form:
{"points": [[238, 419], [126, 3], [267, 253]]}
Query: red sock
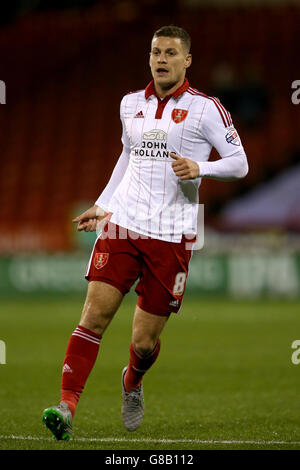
{"points": [[138, 365], [79, 360]]}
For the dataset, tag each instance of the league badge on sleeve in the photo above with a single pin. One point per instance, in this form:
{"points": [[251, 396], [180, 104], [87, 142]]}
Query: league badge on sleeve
{"points": [[179, 115], [232, 137]]}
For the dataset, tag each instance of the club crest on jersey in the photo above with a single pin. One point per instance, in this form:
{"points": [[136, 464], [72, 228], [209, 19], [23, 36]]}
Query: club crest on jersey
{"points": [[179, 115], [232, 137], [100, 260]]}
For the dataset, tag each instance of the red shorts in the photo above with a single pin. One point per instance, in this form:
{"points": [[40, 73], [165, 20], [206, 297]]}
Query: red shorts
{"points": [[160, 266]]}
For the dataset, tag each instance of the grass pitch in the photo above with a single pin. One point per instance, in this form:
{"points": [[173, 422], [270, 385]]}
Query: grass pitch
{"points": [[224, 378]]}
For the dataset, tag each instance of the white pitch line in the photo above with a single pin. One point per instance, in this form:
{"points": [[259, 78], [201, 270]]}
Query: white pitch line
{"points": [[149, 440]]}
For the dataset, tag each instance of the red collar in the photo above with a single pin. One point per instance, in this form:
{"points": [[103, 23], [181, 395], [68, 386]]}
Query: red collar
{"points": [[150, 90]]}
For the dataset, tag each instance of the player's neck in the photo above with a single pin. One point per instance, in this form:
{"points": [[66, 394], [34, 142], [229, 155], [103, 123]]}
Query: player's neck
{"points": [[162, 93]]}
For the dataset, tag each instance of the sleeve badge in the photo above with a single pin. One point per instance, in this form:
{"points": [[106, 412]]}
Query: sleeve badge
{"points": [[232, 137]]}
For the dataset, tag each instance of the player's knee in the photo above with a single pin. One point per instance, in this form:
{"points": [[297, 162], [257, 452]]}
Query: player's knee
{"points": [[95, 319], [144, 346]]}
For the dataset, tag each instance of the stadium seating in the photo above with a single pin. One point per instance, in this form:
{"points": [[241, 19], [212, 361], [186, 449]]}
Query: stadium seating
{"points": [[60, 129]]}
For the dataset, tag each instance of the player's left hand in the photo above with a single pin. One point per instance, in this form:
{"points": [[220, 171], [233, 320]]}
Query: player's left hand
{"points": [[184, 168], [91, 219]]}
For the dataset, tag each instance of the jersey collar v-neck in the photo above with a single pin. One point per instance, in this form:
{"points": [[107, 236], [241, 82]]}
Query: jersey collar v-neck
{"points": [[150, 90], [161, 103]]}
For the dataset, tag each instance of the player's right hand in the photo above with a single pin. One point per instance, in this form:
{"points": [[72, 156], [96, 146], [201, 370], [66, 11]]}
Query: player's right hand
{"points": [[89, 220]]}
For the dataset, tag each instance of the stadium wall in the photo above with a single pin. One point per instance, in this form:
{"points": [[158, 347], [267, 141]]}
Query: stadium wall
{"points": [[233, 275]]}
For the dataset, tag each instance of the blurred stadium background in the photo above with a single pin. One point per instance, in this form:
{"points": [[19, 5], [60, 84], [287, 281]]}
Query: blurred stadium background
{"points": [[66, 65]]}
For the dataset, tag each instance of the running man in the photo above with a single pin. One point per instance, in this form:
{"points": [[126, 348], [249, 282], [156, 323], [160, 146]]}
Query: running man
{"points": [[169, 129]]}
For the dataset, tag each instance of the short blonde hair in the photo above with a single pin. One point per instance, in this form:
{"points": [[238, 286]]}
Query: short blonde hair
{"points": [[175, 32]]}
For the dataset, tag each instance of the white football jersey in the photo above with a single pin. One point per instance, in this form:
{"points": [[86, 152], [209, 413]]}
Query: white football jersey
{"points": [[144, 194]]}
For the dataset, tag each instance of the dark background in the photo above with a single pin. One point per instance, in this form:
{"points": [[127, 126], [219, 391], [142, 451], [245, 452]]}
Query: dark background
{"points": [[66, 66]]}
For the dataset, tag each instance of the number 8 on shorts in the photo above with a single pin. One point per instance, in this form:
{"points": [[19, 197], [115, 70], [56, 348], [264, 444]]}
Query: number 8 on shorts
{"points": [[178, 288]]}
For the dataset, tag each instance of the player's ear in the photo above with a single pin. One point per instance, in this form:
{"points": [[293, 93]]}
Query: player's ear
{"points": [[188, 61]]}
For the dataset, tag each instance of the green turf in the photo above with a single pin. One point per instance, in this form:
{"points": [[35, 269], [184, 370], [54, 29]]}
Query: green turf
{"points": [[224, 374]]}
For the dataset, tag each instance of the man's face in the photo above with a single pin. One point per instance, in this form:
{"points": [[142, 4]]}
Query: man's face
{"points": [[169, 60]]}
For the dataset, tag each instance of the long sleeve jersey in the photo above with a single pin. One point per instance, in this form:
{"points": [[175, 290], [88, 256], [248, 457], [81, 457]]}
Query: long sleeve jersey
{"points": [[144, 194]]}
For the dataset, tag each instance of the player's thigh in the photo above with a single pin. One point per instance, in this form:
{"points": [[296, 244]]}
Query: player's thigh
{"points": [[164, 273], [146, 330], [102, 302]]}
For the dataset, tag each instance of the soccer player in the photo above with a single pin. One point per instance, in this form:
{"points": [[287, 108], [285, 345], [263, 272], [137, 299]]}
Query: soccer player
{"points": [[169, 129]]}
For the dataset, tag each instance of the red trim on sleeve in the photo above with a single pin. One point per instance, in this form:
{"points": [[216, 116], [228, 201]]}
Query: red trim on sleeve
{"points": [[225, 115]]}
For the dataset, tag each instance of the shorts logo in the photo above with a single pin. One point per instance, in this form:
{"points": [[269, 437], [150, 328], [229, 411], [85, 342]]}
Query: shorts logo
{"points": [[232, 137], [100, 260], [179, 115]]}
